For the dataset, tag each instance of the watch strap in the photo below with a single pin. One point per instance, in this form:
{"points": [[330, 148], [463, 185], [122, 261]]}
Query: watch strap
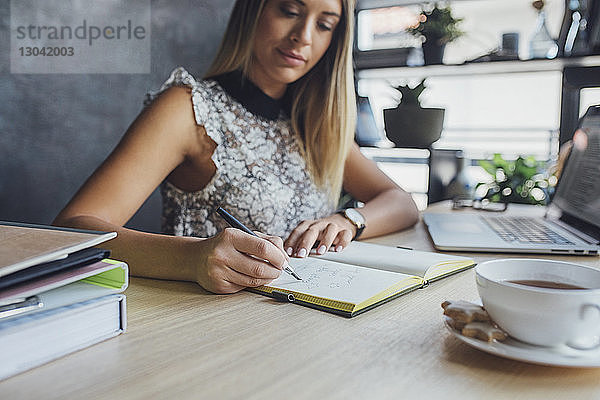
{"points": [[359, 226]]}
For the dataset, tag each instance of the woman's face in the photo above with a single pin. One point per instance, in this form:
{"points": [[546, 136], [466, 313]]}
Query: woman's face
{"points": [[291, 37]]}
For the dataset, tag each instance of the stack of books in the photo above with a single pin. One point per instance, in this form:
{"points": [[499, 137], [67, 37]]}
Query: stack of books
{"points": [[58, 294]]}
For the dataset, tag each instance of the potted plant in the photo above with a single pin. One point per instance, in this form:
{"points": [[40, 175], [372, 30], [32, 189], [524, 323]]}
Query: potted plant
{"points": [[436, 27], [409, 124], [518, 181]]}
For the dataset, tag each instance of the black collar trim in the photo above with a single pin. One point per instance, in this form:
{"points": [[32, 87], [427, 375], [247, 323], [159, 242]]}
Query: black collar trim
{"points": [[250, 95]]}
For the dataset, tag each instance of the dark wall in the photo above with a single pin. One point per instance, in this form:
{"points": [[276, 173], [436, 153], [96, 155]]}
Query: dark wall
{"points": [[55, 129]]}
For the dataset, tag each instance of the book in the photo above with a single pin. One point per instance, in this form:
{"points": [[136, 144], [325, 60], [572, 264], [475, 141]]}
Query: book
{"points": [[34, 339], [361, 277], [26, 245], [65, 287]]}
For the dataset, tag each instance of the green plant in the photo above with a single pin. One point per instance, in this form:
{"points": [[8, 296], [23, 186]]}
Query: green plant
{"points": [[518, 181], [437, 25], [408, 95]]}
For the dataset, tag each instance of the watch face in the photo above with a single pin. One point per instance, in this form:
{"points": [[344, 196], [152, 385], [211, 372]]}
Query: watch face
{"points": [[355, 217]]}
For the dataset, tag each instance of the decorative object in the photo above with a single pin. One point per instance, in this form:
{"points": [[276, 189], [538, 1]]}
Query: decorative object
{"points": [[519, 181], [510, 46], [436, 28], [461, 186], [541, 44], [508, 50], [410, 125]]}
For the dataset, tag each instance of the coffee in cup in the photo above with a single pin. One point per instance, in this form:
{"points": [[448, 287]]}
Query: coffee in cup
{"points": [[542, 302]]}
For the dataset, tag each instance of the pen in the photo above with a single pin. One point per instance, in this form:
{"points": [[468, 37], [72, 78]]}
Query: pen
{"points": [[231, 220], [20, 306]]}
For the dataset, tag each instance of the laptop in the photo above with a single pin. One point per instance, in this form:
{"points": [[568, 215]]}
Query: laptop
{"points": [[571, 224]]}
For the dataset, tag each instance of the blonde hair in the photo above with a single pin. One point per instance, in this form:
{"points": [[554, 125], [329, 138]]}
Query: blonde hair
{"points": [[323, 110]]}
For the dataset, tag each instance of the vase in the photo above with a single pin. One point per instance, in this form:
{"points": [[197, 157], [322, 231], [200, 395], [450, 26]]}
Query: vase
{"points": [[433, 53], [412, 126], [461, 187], [541, 44]]}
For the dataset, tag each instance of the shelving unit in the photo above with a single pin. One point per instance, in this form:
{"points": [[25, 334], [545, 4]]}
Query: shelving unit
{"points": [[578, 73], [410, 166]]}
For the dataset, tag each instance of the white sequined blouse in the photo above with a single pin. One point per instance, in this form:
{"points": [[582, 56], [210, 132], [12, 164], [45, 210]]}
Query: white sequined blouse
{"points": [[260, 178]]}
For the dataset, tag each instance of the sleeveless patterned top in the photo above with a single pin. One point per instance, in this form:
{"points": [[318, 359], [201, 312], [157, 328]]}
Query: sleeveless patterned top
{"points": [[260, 177]]}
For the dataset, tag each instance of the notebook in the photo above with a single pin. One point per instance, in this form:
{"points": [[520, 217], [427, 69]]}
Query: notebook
{"points": [[72, 261], [26, 245], [571, 224], [361, 277]]}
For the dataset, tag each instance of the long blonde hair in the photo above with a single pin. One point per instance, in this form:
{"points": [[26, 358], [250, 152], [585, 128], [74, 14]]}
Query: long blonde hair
{"points": [[323, 110]]}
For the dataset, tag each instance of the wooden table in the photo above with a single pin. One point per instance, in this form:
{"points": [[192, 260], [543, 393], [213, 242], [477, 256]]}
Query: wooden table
{"points": [[183, 342]]}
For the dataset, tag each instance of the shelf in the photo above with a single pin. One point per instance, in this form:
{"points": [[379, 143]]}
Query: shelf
{"points": [[369, 4], [396, 155], [479, 68]]}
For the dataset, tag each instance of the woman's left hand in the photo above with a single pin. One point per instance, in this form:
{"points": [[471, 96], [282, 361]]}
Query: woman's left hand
{"points": [[334, 230]]}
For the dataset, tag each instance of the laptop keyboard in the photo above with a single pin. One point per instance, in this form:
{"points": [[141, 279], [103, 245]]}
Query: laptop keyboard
{"points": [[524, 230]]}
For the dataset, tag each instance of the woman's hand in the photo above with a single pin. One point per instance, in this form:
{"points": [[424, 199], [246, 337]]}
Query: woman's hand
{"points": [[234, 260], [334, 230]]}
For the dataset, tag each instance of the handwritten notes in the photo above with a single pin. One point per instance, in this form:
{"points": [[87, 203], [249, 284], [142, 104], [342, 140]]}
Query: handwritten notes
{"points": [[316, 274], [335, 280]]}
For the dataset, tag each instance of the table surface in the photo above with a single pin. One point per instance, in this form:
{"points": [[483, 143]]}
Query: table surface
{"points": [[183, 342]]}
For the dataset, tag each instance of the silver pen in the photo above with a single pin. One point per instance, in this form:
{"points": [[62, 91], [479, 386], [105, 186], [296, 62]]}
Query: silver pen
{"points": [[231, 220]]}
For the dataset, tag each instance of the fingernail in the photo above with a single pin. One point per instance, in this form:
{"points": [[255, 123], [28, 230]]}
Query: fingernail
{"points": [[322, 249], [302, 253], [289, 251], [339, 248]]}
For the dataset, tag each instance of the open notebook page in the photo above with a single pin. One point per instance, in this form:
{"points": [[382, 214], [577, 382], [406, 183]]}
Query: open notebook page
{"points": [[394, 259], [341, 282]]}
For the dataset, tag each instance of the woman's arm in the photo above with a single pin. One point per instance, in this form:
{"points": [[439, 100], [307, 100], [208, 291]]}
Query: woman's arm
{"points": [[387, 208], [163, 137]]}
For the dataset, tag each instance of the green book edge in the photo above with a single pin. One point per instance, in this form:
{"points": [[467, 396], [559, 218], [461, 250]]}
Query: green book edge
{"points": [[112, 279]]}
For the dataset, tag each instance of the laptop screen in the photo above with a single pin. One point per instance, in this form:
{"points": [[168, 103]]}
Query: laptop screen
{"points": [[578, 191]]}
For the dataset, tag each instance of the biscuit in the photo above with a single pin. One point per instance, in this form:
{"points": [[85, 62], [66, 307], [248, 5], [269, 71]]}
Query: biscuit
{"points": [[484, 331], [464, 312], [456, 325], [472, 320]]}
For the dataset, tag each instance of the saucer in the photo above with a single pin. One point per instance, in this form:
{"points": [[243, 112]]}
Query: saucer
{"points": [[562, 356]]}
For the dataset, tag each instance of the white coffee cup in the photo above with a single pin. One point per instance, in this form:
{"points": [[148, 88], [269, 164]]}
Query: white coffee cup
{"points": [[540, 315]]}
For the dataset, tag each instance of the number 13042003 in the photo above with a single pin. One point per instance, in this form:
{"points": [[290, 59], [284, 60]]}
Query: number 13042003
{"points": [[47, 51]]}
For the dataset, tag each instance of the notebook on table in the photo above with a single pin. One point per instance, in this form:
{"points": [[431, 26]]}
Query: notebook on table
{"points": [[361, 277], [571, 224]]}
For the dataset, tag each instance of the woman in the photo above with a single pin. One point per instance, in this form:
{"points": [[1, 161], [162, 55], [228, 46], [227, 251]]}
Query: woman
{"points": [[264, 135]]}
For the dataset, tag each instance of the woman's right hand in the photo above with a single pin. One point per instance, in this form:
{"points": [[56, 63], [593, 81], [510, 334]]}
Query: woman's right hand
{"points": [[234, 260]]}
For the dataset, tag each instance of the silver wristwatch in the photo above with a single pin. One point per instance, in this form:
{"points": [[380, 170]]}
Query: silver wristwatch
{"points": [[357, 219]]}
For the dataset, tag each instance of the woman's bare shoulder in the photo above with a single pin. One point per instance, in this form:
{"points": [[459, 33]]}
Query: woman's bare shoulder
{"points": [[170, 115], [174, 101]]}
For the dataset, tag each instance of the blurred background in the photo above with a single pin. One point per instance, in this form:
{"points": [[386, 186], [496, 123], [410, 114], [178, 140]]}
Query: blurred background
{"points": [[496, 99]]}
